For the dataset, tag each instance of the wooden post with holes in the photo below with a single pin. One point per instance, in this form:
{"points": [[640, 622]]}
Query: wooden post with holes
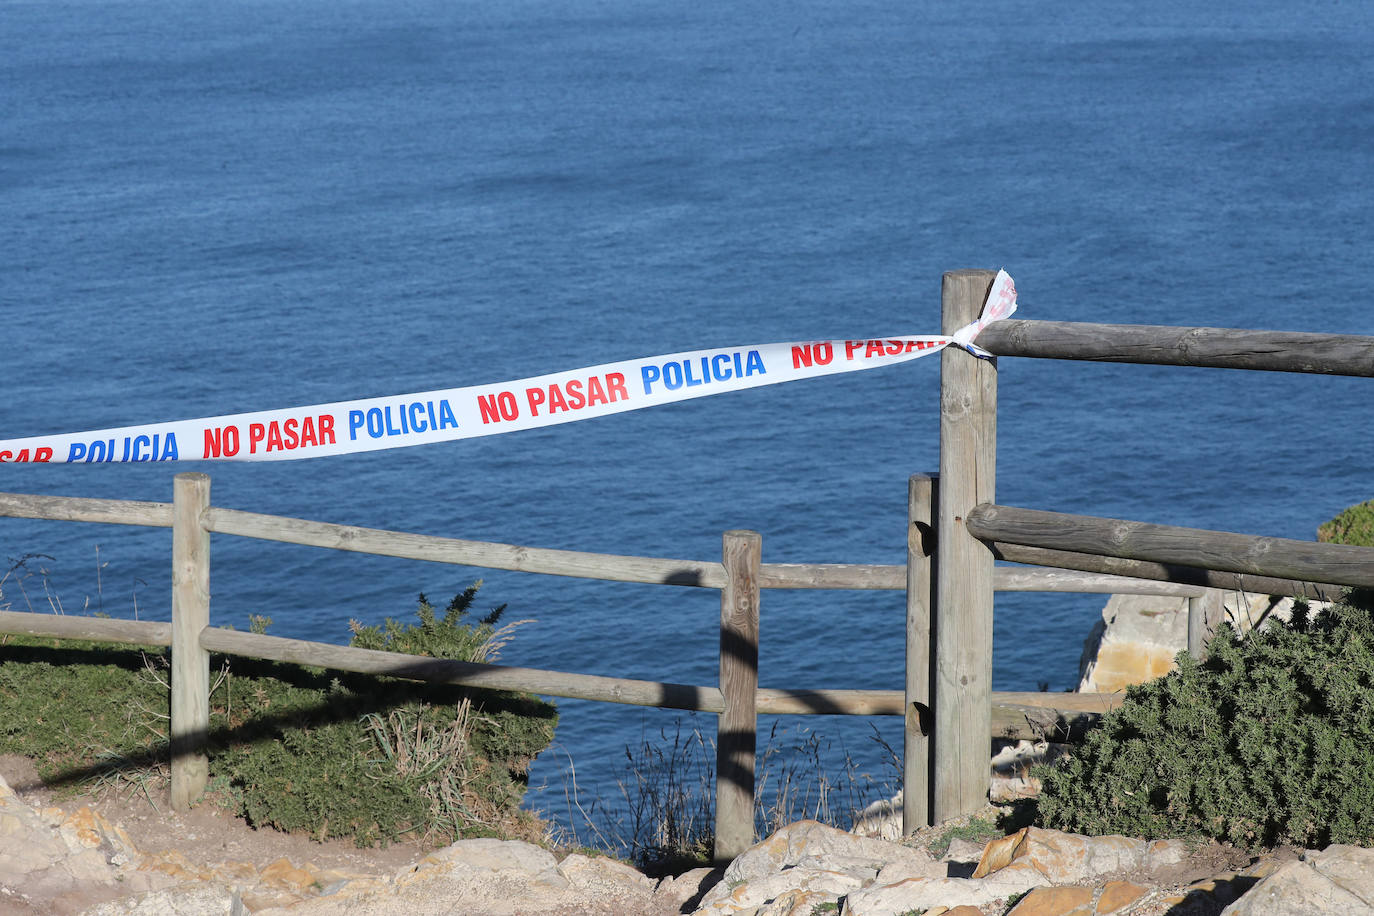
{"points": [[922, 494], [736, 736], [190, 724], [962, 683]]}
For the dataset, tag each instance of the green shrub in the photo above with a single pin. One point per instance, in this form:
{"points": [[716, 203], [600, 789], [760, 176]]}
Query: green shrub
{"points": [[299, 749], [1353, 526], [1266, 742]]}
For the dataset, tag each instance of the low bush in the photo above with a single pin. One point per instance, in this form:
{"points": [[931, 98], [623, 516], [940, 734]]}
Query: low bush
{"points": [[296, 748], [1265, 742], [1353, 526]]}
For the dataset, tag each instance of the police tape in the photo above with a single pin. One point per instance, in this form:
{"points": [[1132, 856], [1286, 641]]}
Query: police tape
{"points": [[483, 410]]}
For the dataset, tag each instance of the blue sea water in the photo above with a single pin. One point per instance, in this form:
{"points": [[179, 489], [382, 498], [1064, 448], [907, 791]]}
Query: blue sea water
{"points": [[207, 209]]}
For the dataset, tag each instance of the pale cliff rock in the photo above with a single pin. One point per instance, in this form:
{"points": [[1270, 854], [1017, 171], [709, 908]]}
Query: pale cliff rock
{"points": [[1139, 635]]}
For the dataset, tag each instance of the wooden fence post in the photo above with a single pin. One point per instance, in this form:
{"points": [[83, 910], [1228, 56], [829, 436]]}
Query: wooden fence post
{"points": [[922, 494], [962, 684], [736, 735], [1204, 615], [190, 724]]}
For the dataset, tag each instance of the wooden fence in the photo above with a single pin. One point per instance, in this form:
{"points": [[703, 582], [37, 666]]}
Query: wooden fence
{"points": [[739, 576], [955, 532], [974, 531]]}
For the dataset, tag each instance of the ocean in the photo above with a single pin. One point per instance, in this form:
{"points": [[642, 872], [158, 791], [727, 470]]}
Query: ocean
{"points": [[251, 205]]}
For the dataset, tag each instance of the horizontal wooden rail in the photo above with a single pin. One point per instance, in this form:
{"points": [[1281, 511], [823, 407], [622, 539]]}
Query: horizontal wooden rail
{"points": [[466, 553], [1245, 554], [1221, 348], [1173, 577], [1004, 579], [102, 629], [75, 509], [832, 576], [1025, 715], [1011, 579], [489, 555], [652, 570], [467, 674]]}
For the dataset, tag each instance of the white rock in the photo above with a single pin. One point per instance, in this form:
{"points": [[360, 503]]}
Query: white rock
{"points": [[191, 900], [492, 855], [927, 893], [813, 844], [603, 875], [747, 897], [1336, 880], [688, 887]]}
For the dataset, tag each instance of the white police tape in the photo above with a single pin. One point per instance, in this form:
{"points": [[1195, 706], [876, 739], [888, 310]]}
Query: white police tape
{"points": [[484, 410]]}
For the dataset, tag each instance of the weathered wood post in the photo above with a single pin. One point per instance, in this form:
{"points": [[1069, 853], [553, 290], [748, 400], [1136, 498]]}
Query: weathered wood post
{"points": [[190, 724], [962, 685], [922, 494], [1204, 615], [736, 738]]}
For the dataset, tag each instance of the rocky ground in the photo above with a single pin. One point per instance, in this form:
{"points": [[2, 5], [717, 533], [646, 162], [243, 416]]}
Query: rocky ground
{"points": [[119, 856]]}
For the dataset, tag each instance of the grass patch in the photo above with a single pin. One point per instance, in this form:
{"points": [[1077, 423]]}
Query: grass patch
{"points": [[291, 747]]}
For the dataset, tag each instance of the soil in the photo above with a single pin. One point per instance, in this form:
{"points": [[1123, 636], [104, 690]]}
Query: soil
{"points": [[207, 834]]}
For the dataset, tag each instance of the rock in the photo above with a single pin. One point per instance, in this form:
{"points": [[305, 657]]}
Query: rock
{"points": [[602, 875], [963, 852], [745, 898], [811, 844], [1056, 901], [285, 876], [881, 820], [491, 855], [1336, 880], [1113, 897], [1135, 641], [927, 893], [1139, 635], [1068, 858], [193, 900], [798, 903], [684, 892]]}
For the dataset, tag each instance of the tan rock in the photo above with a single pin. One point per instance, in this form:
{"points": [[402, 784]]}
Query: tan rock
{"points": [[1055, 901], [259, 899], [1117, 895], [83, 828], [1065, 858], [286, 876], [797, 903], [1135, 641], [242, 872]]}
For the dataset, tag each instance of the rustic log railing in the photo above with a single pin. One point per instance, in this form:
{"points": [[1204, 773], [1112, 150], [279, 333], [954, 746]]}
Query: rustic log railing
{"points": [[739, 577], [956, 531], [959, 688]]}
